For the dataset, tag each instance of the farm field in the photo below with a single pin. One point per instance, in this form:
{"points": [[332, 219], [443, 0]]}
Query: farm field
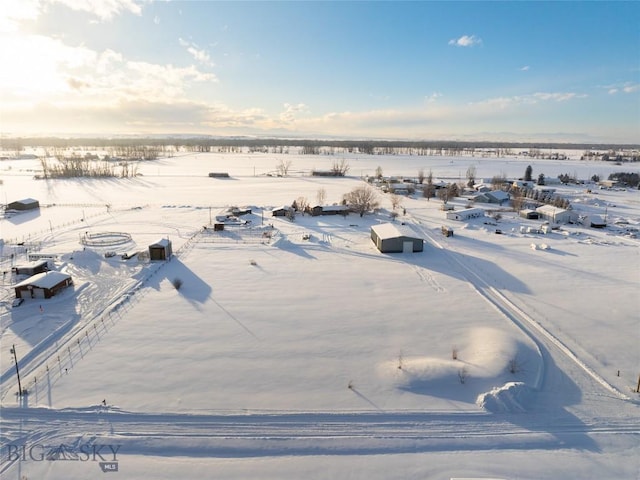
{"points": [[279, 348]]}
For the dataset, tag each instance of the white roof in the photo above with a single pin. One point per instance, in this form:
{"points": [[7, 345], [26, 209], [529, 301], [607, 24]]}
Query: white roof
{"points": [[470, 210], [163, 242], [498, 194], [45, 279], [391, 230], [550, 209]]}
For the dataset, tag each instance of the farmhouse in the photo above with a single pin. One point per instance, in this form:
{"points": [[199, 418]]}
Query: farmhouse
{"points": [[465, 214], [43, 285], [329, 210], [399, 188], [492, 196], [25, 204], [31, 268], [557, 215], [391, 238], [161, 250]]}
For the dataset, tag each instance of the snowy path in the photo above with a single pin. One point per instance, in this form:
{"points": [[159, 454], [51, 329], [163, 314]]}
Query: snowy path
{"points": [[557, 358], [261, 434]]}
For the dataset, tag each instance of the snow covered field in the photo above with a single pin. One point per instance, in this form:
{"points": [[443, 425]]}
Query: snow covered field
{"points": [[298, 349]]}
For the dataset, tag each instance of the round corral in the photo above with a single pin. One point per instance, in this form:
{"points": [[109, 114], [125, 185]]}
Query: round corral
{"points": [[105, 239]]}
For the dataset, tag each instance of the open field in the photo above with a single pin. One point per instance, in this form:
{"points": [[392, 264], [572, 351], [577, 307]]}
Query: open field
{"points": [[297, 348]]}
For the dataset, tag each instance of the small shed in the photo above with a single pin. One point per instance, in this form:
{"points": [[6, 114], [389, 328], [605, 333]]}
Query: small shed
{"points": [[595, 221], [43, 285], [392, 238], [24, 204], [31, 268], [161, 250]]}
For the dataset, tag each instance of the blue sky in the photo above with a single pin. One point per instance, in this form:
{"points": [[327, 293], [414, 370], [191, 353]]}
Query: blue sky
{"points": [[513, 71]]}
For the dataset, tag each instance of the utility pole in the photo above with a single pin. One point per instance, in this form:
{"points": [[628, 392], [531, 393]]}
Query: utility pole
{"points": [[15, 357]]}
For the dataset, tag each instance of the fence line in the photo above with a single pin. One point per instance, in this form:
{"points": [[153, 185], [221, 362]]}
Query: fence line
{"points": [[62, 358]]}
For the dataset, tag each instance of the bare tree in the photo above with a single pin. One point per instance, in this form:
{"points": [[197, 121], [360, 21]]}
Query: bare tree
{"points": [[498, 181], [471, 176], [379, 172], [429, 188], [283, 167], [420, 176], [362, 199], [340, 168], [302, 204], [396, 200], [321, 196]]}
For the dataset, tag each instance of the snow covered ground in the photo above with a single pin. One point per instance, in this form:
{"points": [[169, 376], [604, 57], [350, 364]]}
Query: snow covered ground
{"points": [[297, 349]]}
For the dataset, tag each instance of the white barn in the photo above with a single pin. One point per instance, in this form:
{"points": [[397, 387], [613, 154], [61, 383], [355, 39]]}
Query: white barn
{"points": [[557, 215]]}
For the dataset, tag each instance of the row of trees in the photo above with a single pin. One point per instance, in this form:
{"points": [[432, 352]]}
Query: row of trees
{"points": [[80, 167]]}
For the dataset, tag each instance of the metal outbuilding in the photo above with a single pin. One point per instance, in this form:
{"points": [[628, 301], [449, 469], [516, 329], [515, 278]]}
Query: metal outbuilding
{"points": [[557, 215], [391, 238], [24, 204]]}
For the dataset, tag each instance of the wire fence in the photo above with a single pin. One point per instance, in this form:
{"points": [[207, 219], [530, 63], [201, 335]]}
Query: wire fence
{"points": [[61, 357]]}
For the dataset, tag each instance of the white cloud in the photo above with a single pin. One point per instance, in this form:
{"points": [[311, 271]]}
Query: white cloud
{"points": [[433, 97], [15, 12], [200, 55], [38, 69], [558, 96], [466, 41], [103, 9], [526, 68], [290, 112]]}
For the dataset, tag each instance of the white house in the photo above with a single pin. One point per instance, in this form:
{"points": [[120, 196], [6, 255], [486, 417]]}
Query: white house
{"points": [[465, 214]]}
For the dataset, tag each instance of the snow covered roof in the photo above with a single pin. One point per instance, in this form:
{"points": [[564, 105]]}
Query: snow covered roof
{"points": [[332, 208], [45, 279], [163, 242], [26, 201], [391, 230], [550, 209], [498, 194]]}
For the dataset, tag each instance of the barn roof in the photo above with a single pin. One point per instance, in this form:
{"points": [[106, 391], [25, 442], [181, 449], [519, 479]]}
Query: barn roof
{"points": [[26, 201], [45, 279], [391, 230]]}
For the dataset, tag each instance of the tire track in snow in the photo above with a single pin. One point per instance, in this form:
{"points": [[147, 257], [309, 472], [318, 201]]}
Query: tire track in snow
{"points": [[534, 330], [312, 433]]}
